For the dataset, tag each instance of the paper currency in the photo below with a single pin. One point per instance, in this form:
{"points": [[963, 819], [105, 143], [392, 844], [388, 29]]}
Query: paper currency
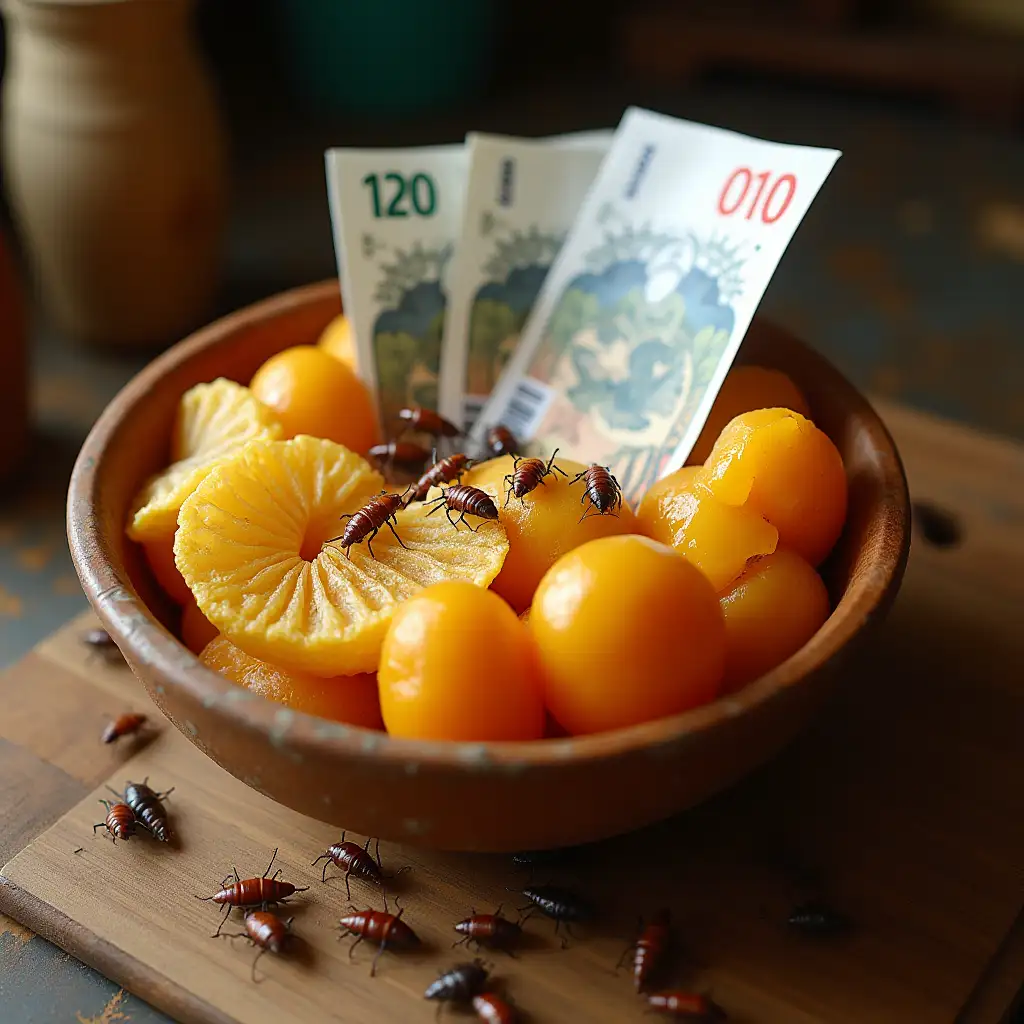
{"points": [[646, 305], [396, 215], [522, 195]]}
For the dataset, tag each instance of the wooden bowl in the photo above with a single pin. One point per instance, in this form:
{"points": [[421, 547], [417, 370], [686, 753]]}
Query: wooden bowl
{"points": [[469, 796]]}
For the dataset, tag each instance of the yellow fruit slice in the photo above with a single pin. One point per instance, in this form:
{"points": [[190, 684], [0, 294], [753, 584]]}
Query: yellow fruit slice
{"points": [[252, 544], [213, 421]]}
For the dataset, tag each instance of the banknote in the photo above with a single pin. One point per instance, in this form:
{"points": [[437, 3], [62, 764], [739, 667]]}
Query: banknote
{"points": [[396, 215], [644, 308], [521, 197]]}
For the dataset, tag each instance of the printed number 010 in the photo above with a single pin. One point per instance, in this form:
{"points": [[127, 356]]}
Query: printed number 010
{"points": [[770, 203], [419, 190]]}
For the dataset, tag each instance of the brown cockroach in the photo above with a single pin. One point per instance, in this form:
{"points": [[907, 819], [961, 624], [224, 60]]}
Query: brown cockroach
{"points": [[428, 422], [601, 488], [650, 948], [443, 471], [387, 931], [120, 821], [100, 642], [365, 523], [354, 859], [467, 500], [491, 930], [492, 1009], [251, 892], [405, 454], [528, 474], [148, 807], [123, 725], [266, 930], [501, 441], [459, 984], [691, 1006]]}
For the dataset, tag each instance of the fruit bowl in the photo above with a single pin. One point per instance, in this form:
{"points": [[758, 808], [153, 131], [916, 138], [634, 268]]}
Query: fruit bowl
{"points": [[468, 796]]}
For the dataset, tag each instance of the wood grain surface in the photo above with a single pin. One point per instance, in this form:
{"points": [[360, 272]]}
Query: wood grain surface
{"points": [[901, 806]]}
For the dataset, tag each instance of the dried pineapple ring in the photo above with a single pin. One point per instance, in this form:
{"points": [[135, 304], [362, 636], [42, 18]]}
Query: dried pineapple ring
{"points": [[252, 544]]}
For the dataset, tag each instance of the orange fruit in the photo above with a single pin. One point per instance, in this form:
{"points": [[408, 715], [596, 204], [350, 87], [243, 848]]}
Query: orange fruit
{"points": [[627, 631], [771, 611], [744, 389], [213, 421], [458, 665], [778, 464], [160, 557], [196, 629], [255, 546], [313, 393], [647, 510], [349, 699], [544, 525], [339, 342]]}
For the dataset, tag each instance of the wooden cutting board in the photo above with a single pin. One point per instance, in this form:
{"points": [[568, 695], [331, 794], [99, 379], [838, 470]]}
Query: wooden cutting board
{"points": [[902, 806]]}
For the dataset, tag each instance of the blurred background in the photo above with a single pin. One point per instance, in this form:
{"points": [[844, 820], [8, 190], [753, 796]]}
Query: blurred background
{"points": [[163, 164]]}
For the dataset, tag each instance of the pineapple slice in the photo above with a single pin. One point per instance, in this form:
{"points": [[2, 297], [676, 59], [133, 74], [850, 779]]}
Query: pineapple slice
{"points": [[254, 546], [213, 421]]}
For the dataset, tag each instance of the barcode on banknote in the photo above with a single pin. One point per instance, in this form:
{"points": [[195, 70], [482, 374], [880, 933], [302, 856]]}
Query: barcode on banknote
{"points": [[527, 407], [471, 406]]}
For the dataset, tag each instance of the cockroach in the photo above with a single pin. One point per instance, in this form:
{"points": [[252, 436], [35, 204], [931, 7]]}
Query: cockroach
{"points": [[458, 985], [602, 490], [148, 807], [251, 892], [650, 948], [528, 474], [501, 441], [563, 906], [492, 1009], [816, 919], [356, 860], [467, 500], [387, 931], [428, 422], [690, 1006], [405, 454], [444, 471], [266, 930], [102, 643], [490, 930], [123, 725], [119, 822], [366, 523]]}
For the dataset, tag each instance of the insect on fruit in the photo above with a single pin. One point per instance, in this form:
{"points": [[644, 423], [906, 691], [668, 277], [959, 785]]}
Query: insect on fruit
{"points": [[148, 807], [458, 985], [354, 859], [490, 930], [467, 500], [691, 1006], [406, 454], [528, 474], [386, 931], [501, 441], [601, 488], [266, 930], [428, 421], [491, 1009], [816, 919], [444, 471], [650, 948], [563, 906], [123, 725], [251, 892], [366, 523], [119, 822], [102, 643]]}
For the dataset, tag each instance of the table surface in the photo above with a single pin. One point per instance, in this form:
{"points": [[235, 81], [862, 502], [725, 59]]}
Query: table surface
{"points": [[907, 274]]}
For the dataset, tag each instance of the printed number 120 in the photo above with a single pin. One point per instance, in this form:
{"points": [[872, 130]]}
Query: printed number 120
{"points": [[750, 193], [392, 193]]}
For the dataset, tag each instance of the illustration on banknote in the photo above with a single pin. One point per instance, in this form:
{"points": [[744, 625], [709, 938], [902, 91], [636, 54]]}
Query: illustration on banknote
{"points": [[407, 332], [633, 343], [515, 271]]}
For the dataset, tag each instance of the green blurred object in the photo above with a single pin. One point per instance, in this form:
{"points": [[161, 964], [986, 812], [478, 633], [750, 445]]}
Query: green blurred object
{"points": [[389, 56]]}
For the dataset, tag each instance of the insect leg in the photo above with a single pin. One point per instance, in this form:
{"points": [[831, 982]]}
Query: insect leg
{"points": [[270, 865], [438, 503], [255, 959], [348, 888], [164, 795], [377, 852], [223, 920], [395, 532], [352, 948], [99, 824], [508, 492], [452, 521]]}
